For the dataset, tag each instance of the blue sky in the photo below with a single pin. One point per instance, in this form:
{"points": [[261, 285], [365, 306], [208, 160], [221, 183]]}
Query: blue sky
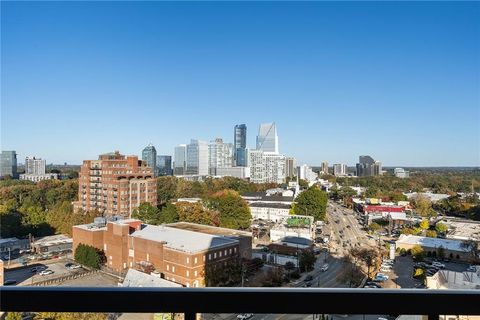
{"points": [[398, 81]]}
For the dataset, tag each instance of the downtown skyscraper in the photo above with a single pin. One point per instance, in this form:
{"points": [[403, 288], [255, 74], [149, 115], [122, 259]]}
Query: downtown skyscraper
{"points": [[240, 145], [149, 155], [8, 164], [267, 139]]}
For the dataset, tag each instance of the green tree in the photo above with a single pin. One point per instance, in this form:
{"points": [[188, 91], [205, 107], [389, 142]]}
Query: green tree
{"points": [[147, 213], [312, 202], [89, 256], [306, 260], [168, 214], [441, 227], [423, 206], [233, 210]]}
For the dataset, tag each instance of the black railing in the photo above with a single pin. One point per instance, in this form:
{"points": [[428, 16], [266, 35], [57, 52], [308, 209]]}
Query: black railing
{"points": [[192, 301]]}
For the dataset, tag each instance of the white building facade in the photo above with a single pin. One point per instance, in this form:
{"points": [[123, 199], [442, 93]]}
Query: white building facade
{"points": [[306, 173], [35, 170], [220, 156], [275, 212], [340, 169], [266, 167]]}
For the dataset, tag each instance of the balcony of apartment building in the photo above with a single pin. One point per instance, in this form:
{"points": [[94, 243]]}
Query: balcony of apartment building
{"points": [[259, 303]]}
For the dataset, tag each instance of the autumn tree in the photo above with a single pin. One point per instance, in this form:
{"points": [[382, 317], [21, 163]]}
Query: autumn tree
{"points": [[441, 227], [147, 213], [431, 233], [423, 206], [197, 213], [234, 212]]}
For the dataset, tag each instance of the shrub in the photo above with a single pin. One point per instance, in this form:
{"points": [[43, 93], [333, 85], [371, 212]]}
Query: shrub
{"points": [[89, 256]]}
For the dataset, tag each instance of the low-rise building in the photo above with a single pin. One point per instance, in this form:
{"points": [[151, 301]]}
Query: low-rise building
{"points": [[269, 211], [13, 245], [451, 248], [434, 197], [52, 244], [461, 229], [135, 279], [180, 255], [446, 279], [293, 226], [38, 177], [237, 172]]}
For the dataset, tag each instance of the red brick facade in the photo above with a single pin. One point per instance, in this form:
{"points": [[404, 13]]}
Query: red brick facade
{"points": [[115, 184]]}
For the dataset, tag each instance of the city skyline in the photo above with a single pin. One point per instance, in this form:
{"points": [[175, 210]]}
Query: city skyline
{"points": [[406, 94]]}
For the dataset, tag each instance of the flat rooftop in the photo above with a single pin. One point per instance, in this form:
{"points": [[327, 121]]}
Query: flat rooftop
{"points": [[270, 205], [53, 240], [183, 240], [209, 229], [462, 229], [453, 245]]}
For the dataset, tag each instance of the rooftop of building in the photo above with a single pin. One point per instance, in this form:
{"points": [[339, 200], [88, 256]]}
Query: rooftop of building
{"points": [[7, 240], [462, 229], [452, 245], [209, 229], [183, 240], [261, 196], [135, 278], [447, 279], [52, 240], [270, 205]]}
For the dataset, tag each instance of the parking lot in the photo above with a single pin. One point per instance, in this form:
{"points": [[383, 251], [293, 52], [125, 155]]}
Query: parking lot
{"points": [[25, 276]]}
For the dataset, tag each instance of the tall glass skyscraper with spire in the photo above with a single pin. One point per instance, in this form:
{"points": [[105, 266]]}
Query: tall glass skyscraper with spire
{"points": [[240, 145], [149, 155]]}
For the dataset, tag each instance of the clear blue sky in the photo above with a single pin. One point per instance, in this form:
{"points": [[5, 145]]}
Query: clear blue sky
{"points": [[397, 81]]}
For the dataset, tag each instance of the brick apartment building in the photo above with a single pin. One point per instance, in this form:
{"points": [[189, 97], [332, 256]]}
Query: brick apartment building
{"points": [[115, 184], [179, 255]]}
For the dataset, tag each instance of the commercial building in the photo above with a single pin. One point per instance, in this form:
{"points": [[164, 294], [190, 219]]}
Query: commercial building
{"points": [[267, 139], [324, 167], [293, 226], [401, 173], [220, 155], [340, 169], [115, 184], [149, 155], [240, 145], [197, 158], [180, 164], [52, 244], [37, 178], [434, 197], [8, 164], [13, 245], [290, 167], [179, 255], [244, 238], [266, 167], [447, 279], [461, 229], [452, 249], [164, 165], [306, 173], [367, 167], [237, 172], [269, 211]]}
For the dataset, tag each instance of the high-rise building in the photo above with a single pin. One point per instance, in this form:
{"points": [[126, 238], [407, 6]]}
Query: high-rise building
{"points": [[115, 184], [164, 165], [240, 145], [220, 155], [149, 155], [266, 167], [340, 169], [35, 170], [267, 139], [306, 173], [197, 158], [367, 166], [290, 167], [8, 164], [324, 168], [35, 166], [180, 163]]}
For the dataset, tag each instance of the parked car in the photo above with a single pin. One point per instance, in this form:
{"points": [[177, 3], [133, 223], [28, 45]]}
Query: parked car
{"points": [[472, 268], [379, 279], [308, 284], [382, 275], [371, 287], [46, 272], [37, 269], [75, 266], [384, 269], [68, 265], [309, 278], [371, 283], [438, 264], [9, 282], [244, 316], [324, 267]]}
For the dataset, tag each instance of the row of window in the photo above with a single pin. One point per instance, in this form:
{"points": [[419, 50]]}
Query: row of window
{"points": [[187, 272]]}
